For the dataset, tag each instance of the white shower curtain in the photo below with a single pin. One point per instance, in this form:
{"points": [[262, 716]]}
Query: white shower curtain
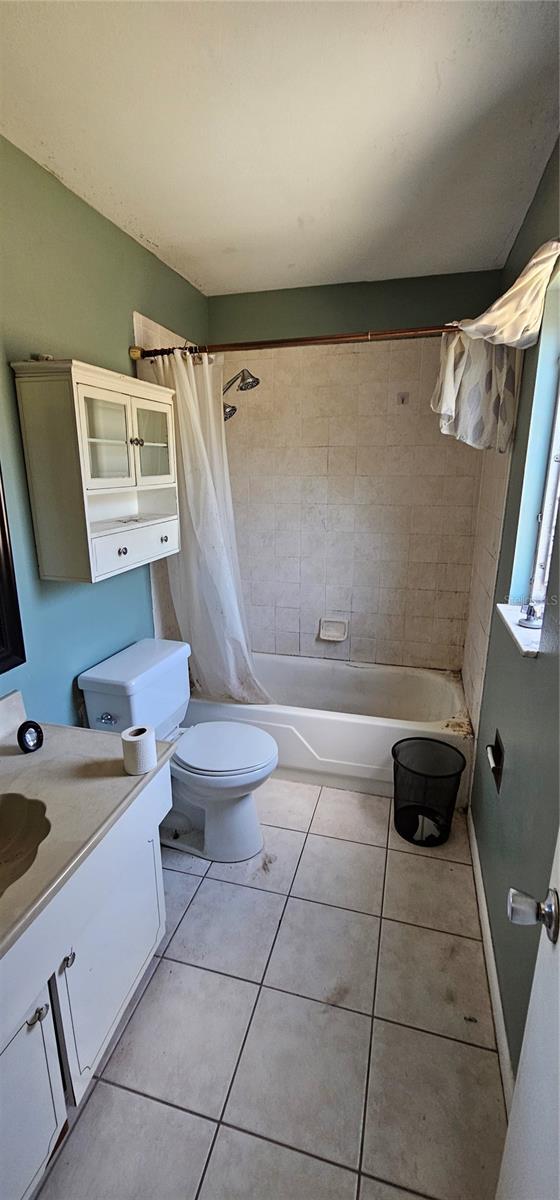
{"points": [[204, 577]]}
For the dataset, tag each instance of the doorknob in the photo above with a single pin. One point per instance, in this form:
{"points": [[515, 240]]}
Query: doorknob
{"points": [[525, 910]]}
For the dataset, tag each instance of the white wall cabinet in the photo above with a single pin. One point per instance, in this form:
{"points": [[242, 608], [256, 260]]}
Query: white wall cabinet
{"points": [[80, 961], [101, 466]]}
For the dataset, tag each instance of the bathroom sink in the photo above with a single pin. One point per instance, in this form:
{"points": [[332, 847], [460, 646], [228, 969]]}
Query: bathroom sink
{"points": [[23, 826]]}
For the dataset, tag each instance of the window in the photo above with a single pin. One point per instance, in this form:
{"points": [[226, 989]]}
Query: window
{"points": [[541, 485], [547, 516]]}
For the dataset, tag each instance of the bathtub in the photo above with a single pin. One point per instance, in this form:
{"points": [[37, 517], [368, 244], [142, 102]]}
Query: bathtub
{"points": [[335, 722]]}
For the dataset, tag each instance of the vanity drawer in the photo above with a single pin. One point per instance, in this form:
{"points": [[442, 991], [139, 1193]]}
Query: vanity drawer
{"points": [[119, 551]]}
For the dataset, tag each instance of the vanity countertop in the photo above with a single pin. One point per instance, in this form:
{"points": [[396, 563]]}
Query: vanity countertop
{"points": [[79, 776]]}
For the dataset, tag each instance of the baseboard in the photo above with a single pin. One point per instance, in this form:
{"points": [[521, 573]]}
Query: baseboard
{"points": [[495, 995]]}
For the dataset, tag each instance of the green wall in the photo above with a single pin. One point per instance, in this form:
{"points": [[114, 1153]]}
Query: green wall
{"points": [[516, 831], [351, 307], [70, 281]]}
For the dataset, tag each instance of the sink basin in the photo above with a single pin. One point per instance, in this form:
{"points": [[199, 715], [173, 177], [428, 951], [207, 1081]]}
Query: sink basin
{"points": [[23, 826]]}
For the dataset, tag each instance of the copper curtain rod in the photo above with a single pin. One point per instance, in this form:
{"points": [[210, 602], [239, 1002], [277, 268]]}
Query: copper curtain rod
{"points": [[382, 335]]}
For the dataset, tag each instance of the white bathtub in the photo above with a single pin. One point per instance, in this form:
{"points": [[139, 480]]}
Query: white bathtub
{"points": [[335, 722]]}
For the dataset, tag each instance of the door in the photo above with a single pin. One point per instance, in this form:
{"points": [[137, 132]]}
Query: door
{"points": [[153, 441], [108, 443], [531, 1162], [32, 1108]]}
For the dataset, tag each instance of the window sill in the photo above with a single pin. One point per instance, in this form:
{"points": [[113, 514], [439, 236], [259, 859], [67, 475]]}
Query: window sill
{"points": [[527, 640]]}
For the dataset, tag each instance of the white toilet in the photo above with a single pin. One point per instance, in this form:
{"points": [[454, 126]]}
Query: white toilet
{"points": [[216, 765]]}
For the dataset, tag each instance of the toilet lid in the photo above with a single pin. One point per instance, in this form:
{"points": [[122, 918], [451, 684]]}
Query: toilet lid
{"points": [[225, 748]]}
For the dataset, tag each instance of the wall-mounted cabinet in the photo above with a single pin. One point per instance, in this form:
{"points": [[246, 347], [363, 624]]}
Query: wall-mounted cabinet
{"points": [[100, 455]]}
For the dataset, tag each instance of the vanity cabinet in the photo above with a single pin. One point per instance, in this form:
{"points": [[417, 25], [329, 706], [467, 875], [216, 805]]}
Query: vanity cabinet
{"points": [[32, 1106], [80, 960], [101, 465]]}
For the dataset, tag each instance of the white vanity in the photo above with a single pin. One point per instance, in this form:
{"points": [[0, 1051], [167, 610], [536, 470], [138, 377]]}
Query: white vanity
{"points": [[100, 457], [78, 928]]}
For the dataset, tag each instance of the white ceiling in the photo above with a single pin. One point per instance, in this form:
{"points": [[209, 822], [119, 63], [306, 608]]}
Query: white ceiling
{"points": [[273, 145]]}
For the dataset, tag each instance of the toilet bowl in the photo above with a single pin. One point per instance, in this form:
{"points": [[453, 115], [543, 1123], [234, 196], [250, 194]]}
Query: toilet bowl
{"points": [[216, 766], [214, 772]]}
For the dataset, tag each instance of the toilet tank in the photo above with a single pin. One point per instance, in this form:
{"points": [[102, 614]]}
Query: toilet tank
{"points": [[146, 684]]}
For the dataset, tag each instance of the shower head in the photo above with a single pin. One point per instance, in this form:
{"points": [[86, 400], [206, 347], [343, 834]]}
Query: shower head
{"points": [[245, 380]]}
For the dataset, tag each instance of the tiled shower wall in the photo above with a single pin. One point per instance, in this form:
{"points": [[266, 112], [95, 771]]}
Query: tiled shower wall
{"points": [[489, 523], [349, 503]]}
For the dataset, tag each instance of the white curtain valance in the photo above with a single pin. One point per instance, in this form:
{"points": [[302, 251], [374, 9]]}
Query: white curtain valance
{"points": [[476, 391], [515, 319], [481, 360]]}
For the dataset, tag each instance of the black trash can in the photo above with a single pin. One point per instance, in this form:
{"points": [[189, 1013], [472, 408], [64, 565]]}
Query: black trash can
{"points": [[427, 774]]}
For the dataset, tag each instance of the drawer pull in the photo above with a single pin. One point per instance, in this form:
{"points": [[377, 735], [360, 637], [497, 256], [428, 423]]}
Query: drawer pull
{"points": [[122, 550], [68, 960], [38, 1015], [164, 538]]}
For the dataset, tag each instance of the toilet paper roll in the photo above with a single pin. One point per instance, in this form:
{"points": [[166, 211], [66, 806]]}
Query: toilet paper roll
{"points": [[139, 749]]}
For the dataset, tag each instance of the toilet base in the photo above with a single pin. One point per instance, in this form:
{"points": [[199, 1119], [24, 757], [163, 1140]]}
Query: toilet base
{"points": [[228, 832]]}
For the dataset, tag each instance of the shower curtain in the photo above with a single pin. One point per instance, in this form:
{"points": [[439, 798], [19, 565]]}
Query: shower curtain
{"points": [[204, 577]]}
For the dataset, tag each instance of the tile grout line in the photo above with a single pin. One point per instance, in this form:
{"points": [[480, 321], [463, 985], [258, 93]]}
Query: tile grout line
{"points": [[253, 1010], [368, 1067]]}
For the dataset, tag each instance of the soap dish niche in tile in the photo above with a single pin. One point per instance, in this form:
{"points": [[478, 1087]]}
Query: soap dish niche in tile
{"points": [[332, 631]]}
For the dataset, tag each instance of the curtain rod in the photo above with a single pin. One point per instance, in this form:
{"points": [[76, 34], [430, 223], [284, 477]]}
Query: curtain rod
{"points": [[382, 335]]}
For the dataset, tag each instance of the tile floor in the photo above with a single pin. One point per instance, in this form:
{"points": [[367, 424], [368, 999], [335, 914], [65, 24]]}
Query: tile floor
{"points": [[317, 1026]]}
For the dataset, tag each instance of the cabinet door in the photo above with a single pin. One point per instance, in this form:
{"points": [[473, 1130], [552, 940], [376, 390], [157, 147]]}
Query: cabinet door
{"points": [[155, 453], [32, 1108], [102, 968], [108, 441]]}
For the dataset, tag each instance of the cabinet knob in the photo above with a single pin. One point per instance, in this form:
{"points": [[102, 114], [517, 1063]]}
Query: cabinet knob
{"points": [[140, 441], [68, 960], [122, 550], [164, 538], [133, 441], [38, 1015]]}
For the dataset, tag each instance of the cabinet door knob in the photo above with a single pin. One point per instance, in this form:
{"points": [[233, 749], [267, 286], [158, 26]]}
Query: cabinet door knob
{"points": [[69, 960], [140, 441], [122, 550], [38, 1015], [164, 538]]}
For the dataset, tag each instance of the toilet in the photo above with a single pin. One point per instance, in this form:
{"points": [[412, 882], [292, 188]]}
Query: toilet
{"points": [[216, 765]]}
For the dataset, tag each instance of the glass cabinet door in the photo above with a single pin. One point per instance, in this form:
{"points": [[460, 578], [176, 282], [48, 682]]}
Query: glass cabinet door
{"points": [[153, 422], [108, 442]]}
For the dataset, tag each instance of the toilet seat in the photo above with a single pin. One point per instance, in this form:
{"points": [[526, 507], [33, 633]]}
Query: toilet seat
{"points": [[224, 748]]}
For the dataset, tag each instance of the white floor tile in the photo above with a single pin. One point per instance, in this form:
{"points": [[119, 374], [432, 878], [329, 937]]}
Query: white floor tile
{"points": [[301, 1076], [456, 848], [327, 954], [180, 860], [434, 981], [179, 889], [228, 928], [126, 1147], [248, 1168], [373, 1189], [183, 1040], [341, 873], [352, 815], [430, 892], [435, 1116], [290, 805], [273, 869]]}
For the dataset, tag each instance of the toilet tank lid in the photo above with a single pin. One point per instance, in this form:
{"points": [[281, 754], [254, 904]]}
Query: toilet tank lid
{"points": [[134, 668]]}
